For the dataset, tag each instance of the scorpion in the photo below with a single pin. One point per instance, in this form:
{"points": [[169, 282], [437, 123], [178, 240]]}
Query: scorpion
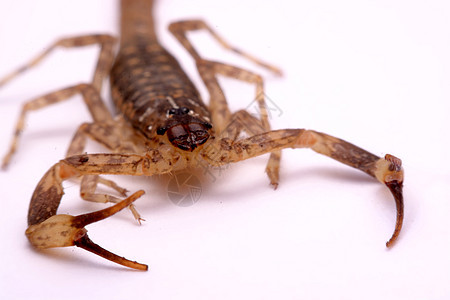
{"points": [[163, 126]]}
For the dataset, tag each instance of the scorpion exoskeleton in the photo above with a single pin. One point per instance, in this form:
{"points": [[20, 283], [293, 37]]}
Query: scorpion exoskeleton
{"points": [[163, 126]]}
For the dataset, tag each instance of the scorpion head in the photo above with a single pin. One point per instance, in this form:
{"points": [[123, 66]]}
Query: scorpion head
{"points": [[185, 130]]}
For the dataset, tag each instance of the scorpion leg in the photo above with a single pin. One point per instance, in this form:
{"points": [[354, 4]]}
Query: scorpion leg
{"points": [[104, 62], [94, 102], [101, 131], [109, 135], [89, 185], [92, 99], [387, 170], [218, 105], [47, 229], [179, 30], [243, 121], [90, 96]]}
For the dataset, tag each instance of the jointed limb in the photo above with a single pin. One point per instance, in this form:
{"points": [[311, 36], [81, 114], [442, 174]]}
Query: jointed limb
{"points": [[150, 89], [226, 123], [103, 133], [246, 122], [104, 61], [48, 193], [67, 230], [88, 188], [179, 30], [243, 121], [90, 96], [387, 170], [218, 106], [103, 130], [48, 229], [108, 134]]}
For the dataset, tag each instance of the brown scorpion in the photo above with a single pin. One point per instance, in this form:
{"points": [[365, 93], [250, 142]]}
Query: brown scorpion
{"points": [[163, 126]]}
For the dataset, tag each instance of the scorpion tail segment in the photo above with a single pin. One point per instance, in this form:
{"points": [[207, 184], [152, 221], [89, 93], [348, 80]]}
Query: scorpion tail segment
{"points": [[390, 172], [66, 230]]}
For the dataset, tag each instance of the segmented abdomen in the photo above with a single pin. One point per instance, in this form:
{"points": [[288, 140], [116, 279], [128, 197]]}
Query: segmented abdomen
{"points": [[146, 82]]}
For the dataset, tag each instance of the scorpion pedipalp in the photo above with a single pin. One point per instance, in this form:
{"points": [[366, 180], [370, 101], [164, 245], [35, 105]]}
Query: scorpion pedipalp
{"points": [[163, 126], [67, 230]]}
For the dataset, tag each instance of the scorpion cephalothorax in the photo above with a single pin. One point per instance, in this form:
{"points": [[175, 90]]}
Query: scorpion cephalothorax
{"points": [[184, 129], [163, 126]]}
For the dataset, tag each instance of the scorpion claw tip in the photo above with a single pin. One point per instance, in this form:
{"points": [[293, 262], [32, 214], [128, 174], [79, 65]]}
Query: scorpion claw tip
{"points": [[389, 171], [396, 188], [85, 242]]}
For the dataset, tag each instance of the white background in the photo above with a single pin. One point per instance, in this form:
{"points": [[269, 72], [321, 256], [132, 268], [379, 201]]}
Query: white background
{"points": [[376, 73]]}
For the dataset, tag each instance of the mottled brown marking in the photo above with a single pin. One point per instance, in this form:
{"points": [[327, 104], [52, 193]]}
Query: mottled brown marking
{"points": [[84, 159], [225, 144], [158, 99], [144, 74], [354, 157], [46, 197]]}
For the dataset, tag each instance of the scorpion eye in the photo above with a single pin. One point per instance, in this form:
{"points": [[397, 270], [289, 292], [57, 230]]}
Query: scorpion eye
{"points": [[172, 111], [161, 130], [184, 110]]}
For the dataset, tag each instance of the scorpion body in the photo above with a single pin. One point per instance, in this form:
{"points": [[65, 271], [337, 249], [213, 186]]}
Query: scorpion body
{"points": [[150, 88], [163, 126]]}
